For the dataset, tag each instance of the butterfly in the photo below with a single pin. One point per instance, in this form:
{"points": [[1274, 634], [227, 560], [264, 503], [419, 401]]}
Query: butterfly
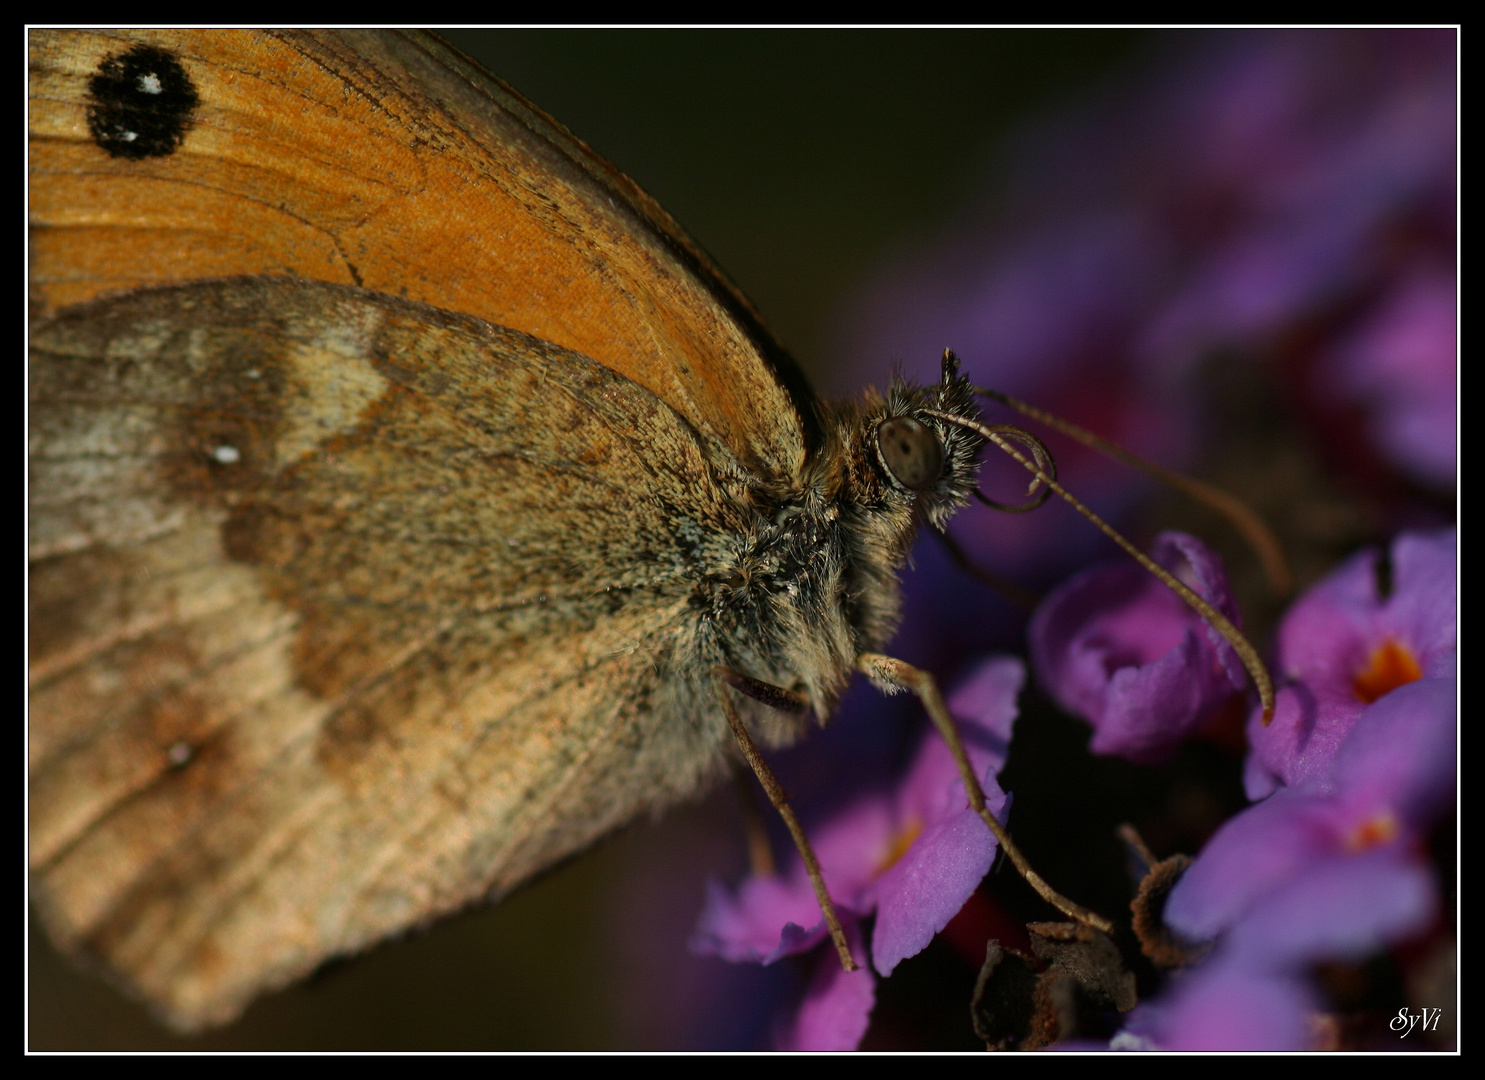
{"points": [[363, 590]]}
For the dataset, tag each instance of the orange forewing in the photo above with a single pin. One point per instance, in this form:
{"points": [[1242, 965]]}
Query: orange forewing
{"points": [[390, 162]]}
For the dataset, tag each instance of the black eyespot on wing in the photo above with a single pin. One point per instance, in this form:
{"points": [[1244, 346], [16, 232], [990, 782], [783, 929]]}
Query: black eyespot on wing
{"points": [[911, 452], [141, 103]]}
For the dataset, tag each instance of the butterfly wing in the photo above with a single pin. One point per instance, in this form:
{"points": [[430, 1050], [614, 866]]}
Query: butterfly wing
{"points": [[346, 610], [390, 162], [333, 626]]}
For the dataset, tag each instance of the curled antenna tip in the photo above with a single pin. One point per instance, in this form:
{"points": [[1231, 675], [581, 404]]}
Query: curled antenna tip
{"points": [[1252, 527]]}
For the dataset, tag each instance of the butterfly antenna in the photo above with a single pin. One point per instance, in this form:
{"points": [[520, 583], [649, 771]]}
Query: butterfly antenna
{"points": [[1252, 528], [1003, 439], [1022, 597]]}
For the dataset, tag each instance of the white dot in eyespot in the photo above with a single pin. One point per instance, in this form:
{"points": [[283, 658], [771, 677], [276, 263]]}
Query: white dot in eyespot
{"points": [[179, 753], [254, 373], [150, 84], [227, 455]]}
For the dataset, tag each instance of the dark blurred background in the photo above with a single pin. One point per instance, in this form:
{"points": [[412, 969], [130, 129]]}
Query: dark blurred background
{"points": [[800, 160]]}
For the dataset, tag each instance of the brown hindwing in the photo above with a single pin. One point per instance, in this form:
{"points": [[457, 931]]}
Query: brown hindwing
{"points": [[345, 612]]}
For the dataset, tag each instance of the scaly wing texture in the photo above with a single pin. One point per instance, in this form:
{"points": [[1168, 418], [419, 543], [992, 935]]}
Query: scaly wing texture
{"points": [[345, 612], [390, 162]]}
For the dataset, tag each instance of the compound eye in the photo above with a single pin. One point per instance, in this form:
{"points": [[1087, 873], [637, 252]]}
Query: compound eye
{"points": [[911, 452]]}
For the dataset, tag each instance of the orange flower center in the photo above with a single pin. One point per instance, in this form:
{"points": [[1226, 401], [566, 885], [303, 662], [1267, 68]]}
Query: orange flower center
{"points": [[902, 839], [1375, 830], [1391, 665]]}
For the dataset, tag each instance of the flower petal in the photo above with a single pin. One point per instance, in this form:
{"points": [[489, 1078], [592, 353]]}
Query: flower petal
{"points": [[1421, 609], [1251, 854], [1226, 1007], [924, 889], [836, 1009], [1346, 907], [1330, 637], [770, 918], [1401, 755], [1119, 648]]}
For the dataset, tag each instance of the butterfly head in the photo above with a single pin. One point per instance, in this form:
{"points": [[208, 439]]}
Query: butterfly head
{"points": [[896, 460], [922, 458], [890, 463]]}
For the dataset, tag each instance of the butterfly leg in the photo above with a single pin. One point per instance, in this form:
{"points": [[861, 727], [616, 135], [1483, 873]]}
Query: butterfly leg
{"points": [[893, 675], [760, 849], [779, 698]]}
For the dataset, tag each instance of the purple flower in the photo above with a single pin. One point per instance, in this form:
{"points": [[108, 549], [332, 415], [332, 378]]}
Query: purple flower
{"points": [[912, 855], [1328, 868], [1390, 779], [1278, 207], [1262, 190], [1345, 644], [1320, 881], [1117, 647], [1400, 366], [837, 1004], [1254, 992], [1325, 871], [1304, 150], [1221, 1007]]}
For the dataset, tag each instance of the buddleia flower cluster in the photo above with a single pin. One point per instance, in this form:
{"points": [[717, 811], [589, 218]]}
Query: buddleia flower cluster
{"points": [[1240, 262]]}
